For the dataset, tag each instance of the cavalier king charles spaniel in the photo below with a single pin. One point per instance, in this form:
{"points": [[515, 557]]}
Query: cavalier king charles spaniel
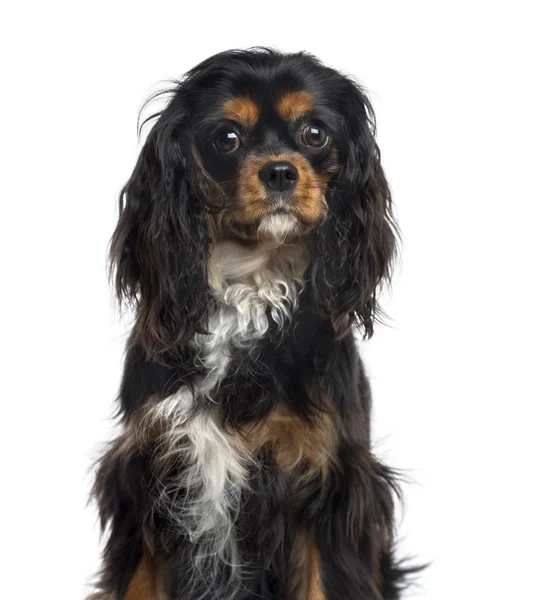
{"points": [[253, 236]]}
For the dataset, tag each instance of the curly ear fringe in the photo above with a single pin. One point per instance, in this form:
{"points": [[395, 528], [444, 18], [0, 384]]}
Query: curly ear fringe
{"points": [[357, 244], [158, 252]]}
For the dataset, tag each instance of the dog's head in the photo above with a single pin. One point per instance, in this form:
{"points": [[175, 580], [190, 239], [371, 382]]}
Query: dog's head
{"points": [[255, 146]]}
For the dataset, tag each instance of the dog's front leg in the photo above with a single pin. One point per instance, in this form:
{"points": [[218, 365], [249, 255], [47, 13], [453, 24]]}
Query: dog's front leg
{"points": [[351, 554]]}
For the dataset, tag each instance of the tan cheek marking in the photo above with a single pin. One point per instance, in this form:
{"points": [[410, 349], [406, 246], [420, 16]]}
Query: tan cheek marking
{"points": [[251, 191], [294, 104], [311, 203], [241, 109]]}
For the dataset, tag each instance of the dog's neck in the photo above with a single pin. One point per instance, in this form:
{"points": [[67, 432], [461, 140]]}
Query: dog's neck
{"points": [[261, 267], [252, 285]]}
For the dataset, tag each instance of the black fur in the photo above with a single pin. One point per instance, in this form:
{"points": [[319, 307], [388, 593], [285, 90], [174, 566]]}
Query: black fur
{"points": [[159, 252]]}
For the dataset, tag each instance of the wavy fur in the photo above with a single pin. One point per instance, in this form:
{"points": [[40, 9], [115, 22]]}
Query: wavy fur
{"points": [[244, 465]]}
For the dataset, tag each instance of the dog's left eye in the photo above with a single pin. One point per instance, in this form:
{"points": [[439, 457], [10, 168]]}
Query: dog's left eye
{"points": [[314, 135], [227, 142]]}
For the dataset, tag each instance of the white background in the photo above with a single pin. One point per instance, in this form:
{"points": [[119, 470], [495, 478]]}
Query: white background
{"points": [[453, 375]]}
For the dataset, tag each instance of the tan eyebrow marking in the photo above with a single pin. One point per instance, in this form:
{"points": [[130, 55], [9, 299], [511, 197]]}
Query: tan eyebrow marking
{"points": [[241, 109], [294, 104]]}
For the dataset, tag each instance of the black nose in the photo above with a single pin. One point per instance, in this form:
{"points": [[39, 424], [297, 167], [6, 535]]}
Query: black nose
{"points": [[279, 175]]}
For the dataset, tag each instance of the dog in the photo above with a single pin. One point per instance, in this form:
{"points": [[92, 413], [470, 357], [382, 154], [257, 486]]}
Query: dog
{"points": [[253, 236]]}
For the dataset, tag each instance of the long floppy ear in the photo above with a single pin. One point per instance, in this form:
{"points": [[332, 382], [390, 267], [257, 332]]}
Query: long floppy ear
{"points": [[159, 248], [357, 243]]}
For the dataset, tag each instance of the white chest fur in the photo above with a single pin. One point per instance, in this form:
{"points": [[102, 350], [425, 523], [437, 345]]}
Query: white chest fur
{"points": [[248, 285]]}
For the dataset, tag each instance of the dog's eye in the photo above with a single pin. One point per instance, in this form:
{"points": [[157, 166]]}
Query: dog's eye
{"points": [[227, 142], [314, 135]]}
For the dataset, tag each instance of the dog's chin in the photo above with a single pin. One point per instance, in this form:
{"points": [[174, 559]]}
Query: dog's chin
{"points": [[279, 228]]}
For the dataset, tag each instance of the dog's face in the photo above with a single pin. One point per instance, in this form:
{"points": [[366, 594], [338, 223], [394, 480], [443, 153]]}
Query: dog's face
{"points": [[254, 145], [268, 146]]}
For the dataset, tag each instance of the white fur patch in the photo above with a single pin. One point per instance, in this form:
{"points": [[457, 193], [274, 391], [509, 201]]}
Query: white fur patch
{"points": [[203, 504], [248, 284], [279, 227]]}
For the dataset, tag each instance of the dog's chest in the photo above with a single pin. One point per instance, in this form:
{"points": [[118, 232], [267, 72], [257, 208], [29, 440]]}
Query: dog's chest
{"points": [[253, 291]]}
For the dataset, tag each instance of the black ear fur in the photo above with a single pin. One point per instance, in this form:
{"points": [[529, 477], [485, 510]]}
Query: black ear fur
{"points": [[357, 243], [159, 248]]}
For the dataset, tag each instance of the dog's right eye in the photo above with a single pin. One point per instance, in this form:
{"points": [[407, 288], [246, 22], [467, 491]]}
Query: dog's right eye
{"points": [[227, 142]]}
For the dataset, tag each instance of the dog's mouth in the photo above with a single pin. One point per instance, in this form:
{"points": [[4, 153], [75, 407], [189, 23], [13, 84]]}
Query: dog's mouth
{"points": [[282, 210], [308, 210], [280, 224], [281, 203], [280, 220]]}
